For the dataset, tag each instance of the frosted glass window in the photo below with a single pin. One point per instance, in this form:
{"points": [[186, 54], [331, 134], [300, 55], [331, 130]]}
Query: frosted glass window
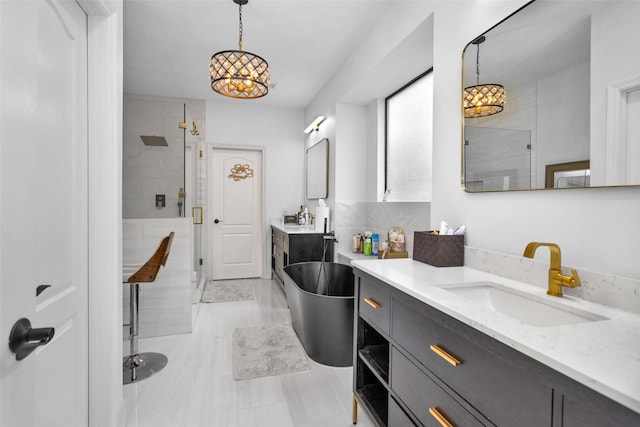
{"points": [[409, 119]]}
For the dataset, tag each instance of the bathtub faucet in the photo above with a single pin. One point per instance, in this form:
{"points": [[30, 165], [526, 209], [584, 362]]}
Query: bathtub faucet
{"points": [[330, 236]]}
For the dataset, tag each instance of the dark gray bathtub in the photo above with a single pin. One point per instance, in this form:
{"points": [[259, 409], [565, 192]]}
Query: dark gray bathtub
{"points": [[322, 316]]}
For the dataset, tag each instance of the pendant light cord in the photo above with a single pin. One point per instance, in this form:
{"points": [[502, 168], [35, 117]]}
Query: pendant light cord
{"points": [[240, 28], [478, 64]]}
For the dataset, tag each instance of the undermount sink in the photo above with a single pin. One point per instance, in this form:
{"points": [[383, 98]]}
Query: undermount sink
{"points": [[538, 311]]}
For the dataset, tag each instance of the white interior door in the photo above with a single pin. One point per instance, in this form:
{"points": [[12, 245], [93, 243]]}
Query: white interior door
{"points": [[43, 209], [235, 203]]}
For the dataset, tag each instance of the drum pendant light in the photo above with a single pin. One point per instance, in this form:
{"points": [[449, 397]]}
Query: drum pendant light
{"points": [[482, 100], [238, 73]]}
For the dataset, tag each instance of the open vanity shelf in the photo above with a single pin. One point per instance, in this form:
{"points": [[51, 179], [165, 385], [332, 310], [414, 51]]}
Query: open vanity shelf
{"points": [[372, 367]]}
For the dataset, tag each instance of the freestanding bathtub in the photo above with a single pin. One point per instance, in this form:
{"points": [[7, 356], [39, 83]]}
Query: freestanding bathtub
{"points": [[322, 310]]}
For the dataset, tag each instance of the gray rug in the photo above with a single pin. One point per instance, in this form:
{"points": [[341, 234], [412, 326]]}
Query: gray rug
{"points": [[262, 351], [227, 290]]}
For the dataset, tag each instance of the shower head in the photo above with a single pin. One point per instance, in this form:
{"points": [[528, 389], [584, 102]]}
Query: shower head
{"points": [[154, 141]]}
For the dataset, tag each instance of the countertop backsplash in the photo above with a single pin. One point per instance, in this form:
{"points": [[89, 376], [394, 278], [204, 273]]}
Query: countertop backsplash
{"points": [[379, 217], [613, 291]]}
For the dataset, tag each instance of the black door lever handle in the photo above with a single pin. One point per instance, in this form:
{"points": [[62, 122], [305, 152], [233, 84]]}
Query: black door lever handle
{"points": [[23, 339]]}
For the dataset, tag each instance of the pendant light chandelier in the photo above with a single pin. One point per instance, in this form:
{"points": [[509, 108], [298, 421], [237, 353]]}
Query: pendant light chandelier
{"points": [[482, 100], [238, 73]]}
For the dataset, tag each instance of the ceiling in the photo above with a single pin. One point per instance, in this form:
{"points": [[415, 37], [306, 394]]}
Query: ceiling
{"points": [[168, 44]]}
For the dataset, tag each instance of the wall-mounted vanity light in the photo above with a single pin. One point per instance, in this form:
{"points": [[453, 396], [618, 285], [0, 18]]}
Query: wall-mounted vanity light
{"points": [[315, 124]]}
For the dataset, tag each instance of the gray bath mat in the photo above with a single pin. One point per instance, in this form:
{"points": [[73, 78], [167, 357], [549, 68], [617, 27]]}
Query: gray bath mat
{"points": [[227, 290], [262, 351]]}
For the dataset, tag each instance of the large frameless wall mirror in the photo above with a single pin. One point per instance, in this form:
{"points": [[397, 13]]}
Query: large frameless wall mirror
{"points": [[551, 98]]}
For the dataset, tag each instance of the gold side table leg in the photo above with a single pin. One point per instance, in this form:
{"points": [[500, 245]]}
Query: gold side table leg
{"points": [[354, 415]]}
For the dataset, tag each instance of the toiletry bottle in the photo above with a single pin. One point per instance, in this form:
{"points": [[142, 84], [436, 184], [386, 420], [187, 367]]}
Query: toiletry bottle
{"points": [[301, 218], [374, 244], [361, 244], [355, 243], [367, 246]]}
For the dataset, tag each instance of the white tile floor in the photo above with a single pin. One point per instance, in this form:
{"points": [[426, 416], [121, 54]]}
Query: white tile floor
{"points": [[197, 388]]}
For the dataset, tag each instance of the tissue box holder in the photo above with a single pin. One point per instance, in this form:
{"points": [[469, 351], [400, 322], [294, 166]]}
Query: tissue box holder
{"points": [[439, 251]]}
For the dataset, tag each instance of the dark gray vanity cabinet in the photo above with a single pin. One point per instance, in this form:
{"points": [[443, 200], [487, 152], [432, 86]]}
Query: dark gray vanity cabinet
{"points": [[581, 406], [293, 247], [278, 253], [389, 382], [505, 386], [414, 365]]}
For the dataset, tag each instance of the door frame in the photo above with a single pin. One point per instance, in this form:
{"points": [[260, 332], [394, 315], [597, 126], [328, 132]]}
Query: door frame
{"points": [[263, 226], [105, 93], [104, 167]]}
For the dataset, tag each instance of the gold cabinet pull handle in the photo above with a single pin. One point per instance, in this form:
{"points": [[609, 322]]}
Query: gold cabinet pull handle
{"points": [[446, 356], [372, 302], [444, 422]]}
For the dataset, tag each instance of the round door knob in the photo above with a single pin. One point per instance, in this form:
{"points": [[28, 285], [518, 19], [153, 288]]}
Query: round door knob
{"points": [[216, 220]]}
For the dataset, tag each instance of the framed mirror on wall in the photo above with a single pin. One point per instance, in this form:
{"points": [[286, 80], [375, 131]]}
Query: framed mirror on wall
{"points": [[317, 167], [539, 102]]}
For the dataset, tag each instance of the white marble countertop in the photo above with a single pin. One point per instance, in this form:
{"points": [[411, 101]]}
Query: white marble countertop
{"points": [[603, 355], [356, 256], [293, 229]]}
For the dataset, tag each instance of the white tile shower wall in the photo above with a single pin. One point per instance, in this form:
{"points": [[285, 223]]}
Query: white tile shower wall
{"points": [[149, 170], [379, 217], [618, 292], [165, 305]]}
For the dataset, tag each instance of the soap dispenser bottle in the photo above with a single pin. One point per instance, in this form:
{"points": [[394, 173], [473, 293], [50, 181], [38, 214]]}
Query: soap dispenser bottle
{"points": [[301, 217], [367, 245], [375, 242]]}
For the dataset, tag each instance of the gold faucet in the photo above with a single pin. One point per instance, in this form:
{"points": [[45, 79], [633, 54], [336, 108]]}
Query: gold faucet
{"points": [[556, 279]]}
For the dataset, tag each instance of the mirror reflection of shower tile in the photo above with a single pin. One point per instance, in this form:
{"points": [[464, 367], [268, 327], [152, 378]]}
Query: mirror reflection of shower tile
{"points": [[154, 141]]}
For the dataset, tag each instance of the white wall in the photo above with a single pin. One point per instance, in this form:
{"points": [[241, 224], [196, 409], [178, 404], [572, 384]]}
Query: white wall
{"points": [[245, 123], [355, 120], [563, 118], [597, 229], [614, 36], [350, 142], [375, 150]]}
